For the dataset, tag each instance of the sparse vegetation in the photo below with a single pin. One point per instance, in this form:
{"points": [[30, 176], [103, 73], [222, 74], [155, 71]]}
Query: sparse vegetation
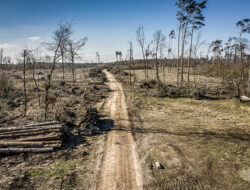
{"points": [[5, 83], [170, 112]]}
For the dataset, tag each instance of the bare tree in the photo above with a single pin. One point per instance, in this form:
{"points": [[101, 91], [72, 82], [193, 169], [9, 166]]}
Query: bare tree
{"points": [[244, 28], [58, 36], [163, 61], [171, 37], [140, 38], [24, 80], [130, 51], [197, 45], [35, 81], [98, 58], [73, 49], [1, 58], [159, 40], [118, 55], [65, 28]]}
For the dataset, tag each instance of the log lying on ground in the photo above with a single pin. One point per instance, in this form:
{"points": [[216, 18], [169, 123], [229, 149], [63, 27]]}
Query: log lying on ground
{"points": [[41, 137], [26, 150], [27, 134], [41, 130], [6, 129], [4, 144], [30, 144]]}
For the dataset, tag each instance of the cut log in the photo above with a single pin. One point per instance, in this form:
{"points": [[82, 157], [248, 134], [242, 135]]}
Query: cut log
{"points": [[58, 145], [244, 99], [3, 129], [41, 138], [32, 131], [50, 142], [29, 134], [42, 124], [25, 150], [5, 144]]}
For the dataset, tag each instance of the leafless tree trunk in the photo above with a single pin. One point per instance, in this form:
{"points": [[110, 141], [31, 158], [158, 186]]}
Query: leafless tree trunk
{"points": [[35, 81], [182, 50], [190, 51], [178, 51], [48, 85], [60, 37], [24, 81], [130, 60], [248, 87], [159, 40], [62, 54], [73, 48], [140, 37], [1, 58]]}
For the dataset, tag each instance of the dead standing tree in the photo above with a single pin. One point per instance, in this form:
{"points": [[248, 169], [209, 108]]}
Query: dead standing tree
{"points": [[244, 28], [73, 49], [130, 51], [58, 36], [161, 51], [140, 38], [98, 58], [24, 80], [118, 55], [158, 41], [171, 37], [66, 28]]}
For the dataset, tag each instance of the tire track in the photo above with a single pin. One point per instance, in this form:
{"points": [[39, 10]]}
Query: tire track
{"points": [[121, 168]]}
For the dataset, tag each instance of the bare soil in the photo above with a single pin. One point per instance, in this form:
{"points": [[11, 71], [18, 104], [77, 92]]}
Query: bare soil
{"points": [[120, 168]]}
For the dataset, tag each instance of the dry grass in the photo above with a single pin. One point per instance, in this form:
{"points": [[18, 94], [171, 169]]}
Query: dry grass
{"points": [[5, 82], [202, 144]]}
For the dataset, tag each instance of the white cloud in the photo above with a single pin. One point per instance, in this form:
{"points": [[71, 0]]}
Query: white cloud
{"points": [[7, 46], [34, 38]]}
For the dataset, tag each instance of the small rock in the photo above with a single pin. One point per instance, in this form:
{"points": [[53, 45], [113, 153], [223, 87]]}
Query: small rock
{"points": [[159, 166]]}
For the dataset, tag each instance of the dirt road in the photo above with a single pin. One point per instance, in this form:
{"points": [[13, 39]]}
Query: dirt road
{"points": [[120, 168]]}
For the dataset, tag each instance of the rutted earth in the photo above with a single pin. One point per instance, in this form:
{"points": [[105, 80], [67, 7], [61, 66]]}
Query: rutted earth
{"points": [[121, 168]]}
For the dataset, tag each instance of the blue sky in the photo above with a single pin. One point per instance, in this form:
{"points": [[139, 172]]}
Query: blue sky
{"points": [[109, 24]]}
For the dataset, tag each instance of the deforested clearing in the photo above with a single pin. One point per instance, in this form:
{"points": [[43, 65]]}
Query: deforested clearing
{"points": [[94, 95]]}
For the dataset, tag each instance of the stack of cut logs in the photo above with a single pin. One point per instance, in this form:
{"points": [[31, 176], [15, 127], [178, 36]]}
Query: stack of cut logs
{"points": [[42, 137]]}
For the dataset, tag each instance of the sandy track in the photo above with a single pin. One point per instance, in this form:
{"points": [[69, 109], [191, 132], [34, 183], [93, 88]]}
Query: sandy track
{"points": [[120, 168]]}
